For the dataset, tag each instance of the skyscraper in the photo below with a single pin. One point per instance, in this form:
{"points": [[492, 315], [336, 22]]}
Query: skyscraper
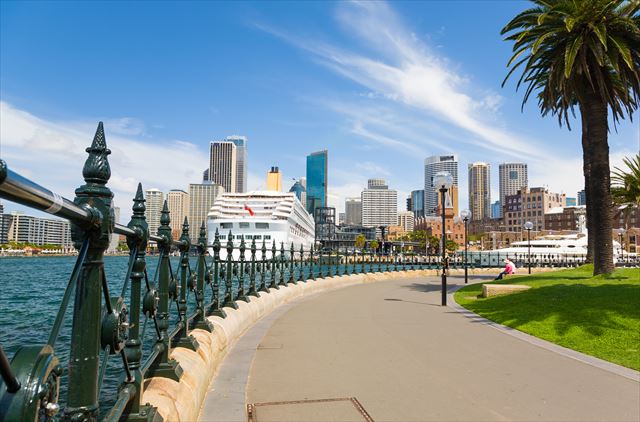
{"points": [[201, 199], [317, 180], [433, 165], [353, 211], [379, 204], [223, 165], [274, 179], [512, 178], [178, 204], [406, 220], [241, 161], [300, 191], [115, 238], [417, 203], [480, 190], [496, 208], [154, 200], [582, 197]]}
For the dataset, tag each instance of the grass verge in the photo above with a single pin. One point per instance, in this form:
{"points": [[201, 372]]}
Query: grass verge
{"points": [[599, 316]]}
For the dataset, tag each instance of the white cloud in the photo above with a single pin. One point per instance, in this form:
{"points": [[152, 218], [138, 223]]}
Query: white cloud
{"points": [[52, 154]]}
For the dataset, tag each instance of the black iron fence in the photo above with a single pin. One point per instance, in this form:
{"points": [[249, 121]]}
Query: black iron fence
{"points": [[172, 299]]}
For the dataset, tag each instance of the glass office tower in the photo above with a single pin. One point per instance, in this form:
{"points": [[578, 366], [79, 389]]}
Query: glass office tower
{"points": [[316, 180]]}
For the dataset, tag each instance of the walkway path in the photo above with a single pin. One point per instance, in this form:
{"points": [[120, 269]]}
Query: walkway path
{"points": [[403, 357]]}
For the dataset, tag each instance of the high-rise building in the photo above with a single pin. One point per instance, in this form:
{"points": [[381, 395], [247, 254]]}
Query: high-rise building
{"points": [[115, 238], [241, 161], [342, 218], [406, 220], [379, 204], [223, 165], [317, 163], [530, 205], [480, 190], [433, 165], [512, 177], [178, 204], [571, 202], [201, 199], [154, 200], [300, 190], [582, 197], [353, 211], [205, 175], [274, 179], [5, 222], [417, 203], [39, 231], [496, 209]]}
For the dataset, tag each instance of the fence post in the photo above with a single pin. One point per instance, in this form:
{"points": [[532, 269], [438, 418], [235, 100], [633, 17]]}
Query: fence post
{"points": [[84, 357], [241, 293], [164, 366], [274, 266], [292, 279], [252, 275], [228, 275], [183, 338], [301, 264], [215, 308], [200, 321], [311, 263], [263, 268]]}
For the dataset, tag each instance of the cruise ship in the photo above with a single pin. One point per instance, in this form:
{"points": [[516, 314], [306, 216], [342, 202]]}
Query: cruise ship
{"points": [[261, 215]]}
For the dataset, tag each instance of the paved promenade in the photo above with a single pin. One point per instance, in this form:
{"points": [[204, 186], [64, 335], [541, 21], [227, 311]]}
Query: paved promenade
{"points": [[402, 357]]}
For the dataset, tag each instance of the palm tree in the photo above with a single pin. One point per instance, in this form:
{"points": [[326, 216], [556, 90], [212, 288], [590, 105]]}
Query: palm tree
{"points": [[584, 54], [625, 188]]}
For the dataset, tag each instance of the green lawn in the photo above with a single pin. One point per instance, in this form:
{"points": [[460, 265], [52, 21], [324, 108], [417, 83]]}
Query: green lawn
{"points": [[599, 316]]}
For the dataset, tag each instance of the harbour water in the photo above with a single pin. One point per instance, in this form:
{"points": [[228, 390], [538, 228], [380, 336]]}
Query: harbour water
{"points": [[31, 289]]}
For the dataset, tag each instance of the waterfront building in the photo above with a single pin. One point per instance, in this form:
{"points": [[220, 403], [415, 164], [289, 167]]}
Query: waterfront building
{"points": [[154, 200], [406, 220], [241, 161], [417, 203], [572, 202], [433, 165], [512, 177], [353, 211], [530, 205], [115, 238], [5, 222], [178, 204], [379, 204], [223, 166], [202, 196], [496, 209], [480, 190], [568, 218], [39, 231], [274, 180], [342, 217], [409, 203], [205, 175], [582, 197], [316, 181]]}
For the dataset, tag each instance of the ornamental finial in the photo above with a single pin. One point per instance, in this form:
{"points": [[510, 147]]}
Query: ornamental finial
{"points": [[138, 202], [96, 169]]}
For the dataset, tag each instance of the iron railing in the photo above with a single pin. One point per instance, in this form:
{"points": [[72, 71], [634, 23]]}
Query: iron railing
{"points": [[173, 301]]}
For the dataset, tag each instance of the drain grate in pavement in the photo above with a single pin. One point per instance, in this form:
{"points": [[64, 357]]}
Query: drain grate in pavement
{"points": [[338, 409]]}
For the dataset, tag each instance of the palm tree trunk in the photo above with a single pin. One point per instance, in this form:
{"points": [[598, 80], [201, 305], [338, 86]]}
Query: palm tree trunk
{"points": [[599, 190], [586, 170]]}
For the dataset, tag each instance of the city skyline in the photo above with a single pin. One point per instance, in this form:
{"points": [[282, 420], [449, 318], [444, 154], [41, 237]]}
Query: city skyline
{"points": [[379, 111]]}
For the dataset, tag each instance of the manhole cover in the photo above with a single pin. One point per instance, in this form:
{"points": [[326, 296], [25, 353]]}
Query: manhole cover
{"points": [[340, 409]]}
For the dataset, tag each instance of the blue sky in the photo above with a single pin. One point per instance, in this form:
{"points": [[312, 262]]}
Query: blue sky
{"points": [[380, 85]]}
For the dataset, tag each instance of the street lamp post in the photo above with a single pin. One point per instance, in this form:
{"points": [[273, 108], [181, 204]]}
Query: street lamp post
{"points": [[465, 214], [443, 180], [620, 235], [528, 225]]}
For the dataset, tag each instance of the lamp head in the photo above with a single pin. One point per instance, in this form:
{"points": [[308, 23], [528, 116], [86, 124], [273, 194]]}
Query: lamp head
{"points": [[465, 214], [528, 225], [443, 180], [621, 232]]}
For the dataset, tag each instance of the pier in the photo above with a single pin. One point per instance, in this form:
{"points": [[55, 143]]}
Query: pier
{"points": [[171, 328]]}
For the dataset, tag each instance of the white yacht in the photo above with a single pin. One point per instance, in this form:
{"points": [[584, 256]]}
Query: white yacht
{"points": [[261, 216]]}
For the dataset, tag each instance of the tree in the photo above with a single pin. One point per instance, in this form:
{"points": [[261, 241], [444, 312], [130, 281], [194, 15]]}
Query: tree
{"points": [[374, 244], [360, 239], [584, 54], [625, 187], [451, 246], [434, 243]]}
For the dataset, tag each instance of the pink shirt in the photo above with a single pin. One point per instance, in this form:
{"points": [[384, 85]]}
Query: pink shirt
{"points": [[510, 268]]}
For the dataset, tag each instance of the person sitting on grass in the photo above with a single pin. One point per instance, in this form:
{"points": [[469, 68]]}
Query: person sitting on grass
{"points": [[509, 269]]}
